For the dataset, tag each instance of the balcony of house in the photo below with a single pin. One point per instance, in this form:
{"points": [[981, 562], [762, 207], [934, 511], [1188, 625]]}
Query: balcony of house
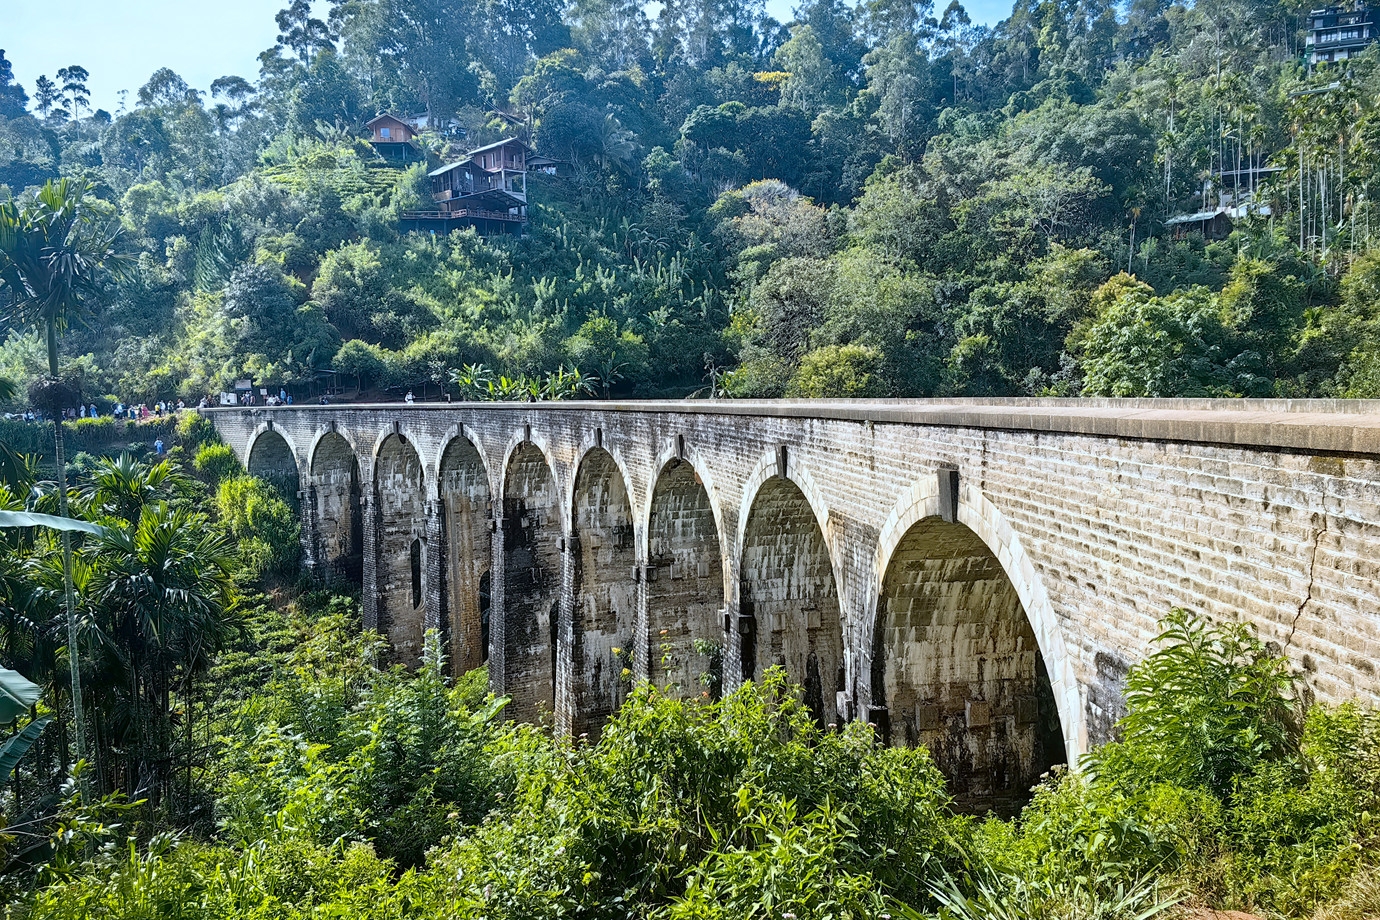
{"points": [[1340, 38]]}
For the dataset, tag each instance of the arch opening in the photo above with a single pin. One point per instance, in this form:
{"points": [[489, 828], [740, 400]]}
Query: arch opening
{"points": [[531, 582], [605, 595], [414, 554], [335, 483], [469, 553], [272, 460], [400, 494], [685, 585], [957, 667], [788, 598]]}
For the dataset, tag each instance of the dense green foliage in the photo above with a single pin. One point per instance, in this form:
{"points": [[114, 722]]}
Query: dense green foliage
{"points": [[873, 199]]}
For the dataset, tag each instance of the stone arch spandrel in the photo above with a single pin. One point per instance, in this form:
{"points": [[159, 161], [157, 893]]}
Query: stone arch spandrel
{"points": [[978, 514]]}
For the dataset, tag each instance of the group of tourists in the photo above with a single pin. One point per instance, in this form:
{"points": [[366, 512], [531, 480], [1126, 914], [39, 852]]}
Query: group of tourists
{"points": [[131, 412]]}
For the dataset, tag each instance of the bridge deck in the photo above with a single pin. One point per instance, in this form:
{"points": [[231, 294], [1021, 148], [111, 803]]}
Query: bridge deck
{"points": [[1343, 426]]}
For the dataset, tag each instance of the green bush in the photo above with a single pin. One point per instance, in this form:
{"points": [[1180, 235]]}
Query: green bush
{"points": [[195, 431], [216, 462], [261, 523], [1214, 786], [684, 802]]}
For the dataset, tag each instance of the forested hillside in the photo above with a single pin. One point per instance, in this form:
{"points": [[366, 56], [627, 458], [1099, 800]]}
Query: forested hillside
{"points": [[871, 200]]}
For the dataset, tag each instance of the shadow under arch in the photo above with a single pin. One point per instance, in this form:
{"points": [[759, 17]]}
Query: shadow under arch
{"points": [[462, 481], [790, 610], [273, 458], [971, 579], [401, 514], [531, 581], [685, 582], [604, 590], [336, 488]]}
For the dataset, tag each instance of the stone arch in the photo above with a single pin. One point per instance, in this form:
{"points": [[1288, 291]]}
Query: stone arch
{"points": [[401, 516], [992, 533], [273, 458], [467, 515], [685, 580], [532, 537], [528, 440], [603, 588], [687, 452], [789, 597], [339, 514]]}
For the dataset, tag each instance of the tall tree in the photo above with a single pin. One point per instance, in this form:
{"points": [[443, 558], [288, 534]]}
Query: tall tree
{"points": [[56, 252], [14, 102], [47, 97], [72, 81], [305, 35]]}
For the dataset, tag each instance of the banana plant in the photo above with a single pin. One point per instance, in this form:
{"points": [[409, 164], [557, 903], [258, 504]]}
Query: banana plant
{"points": [[18, 695]]}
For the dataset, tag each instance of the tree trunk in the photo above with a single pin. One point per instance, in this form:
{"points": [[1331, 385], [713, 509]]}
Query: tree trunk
{"points": [[73, 658]]}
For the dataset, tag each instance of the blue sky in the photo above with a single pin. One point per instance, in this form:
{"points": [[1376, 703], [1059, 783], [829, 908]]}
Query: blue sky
{"points": [[122, 42]]}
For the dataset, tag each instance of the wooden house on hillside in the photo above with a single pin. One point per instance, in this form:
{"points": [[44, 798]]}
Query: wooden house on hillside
{"points": [[1339, 33], [394, 139], [486, 190]]}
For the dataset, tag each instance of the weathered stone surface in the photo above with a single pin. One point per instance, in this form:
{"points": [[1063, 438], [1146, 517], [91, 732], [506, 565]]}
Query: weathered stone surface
{"points": [[1075, 525]]}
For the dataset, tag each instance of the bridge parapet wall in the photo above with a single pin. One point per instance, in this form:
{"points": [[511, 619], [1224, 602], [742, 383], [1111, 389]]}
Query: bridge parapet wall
{"points": [[1102, 513]]}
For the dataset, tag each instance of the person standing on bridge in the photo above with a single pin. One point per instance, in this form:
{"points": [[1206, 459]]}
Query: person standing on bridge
{"points": [[408, 398]]}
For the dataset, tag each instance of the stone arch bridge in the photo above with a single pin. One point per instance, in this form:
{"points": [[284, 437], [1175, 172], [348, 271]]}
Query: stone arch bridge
{"points": [[976, 576]]}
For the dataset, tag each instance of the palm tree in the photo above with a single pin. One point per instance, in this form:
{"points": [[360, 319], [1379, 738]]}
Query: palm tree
{"points": [[162, 602], [55, 252], [122, 487]]}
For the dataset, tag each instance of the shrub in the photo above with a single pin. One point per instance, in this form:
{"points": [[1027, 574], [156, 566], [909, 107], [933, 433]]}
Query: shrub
{"points": [[261, 523], [1210, 704], [709, 788], [196, 431], [216, 462]]}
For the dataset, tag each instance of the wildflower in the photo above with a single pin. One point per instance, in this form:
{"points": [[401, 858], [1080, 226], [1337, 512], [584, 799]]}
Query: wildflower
{"points": [[488, 891], [627, 673], [665, 631], [617, 650]]}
